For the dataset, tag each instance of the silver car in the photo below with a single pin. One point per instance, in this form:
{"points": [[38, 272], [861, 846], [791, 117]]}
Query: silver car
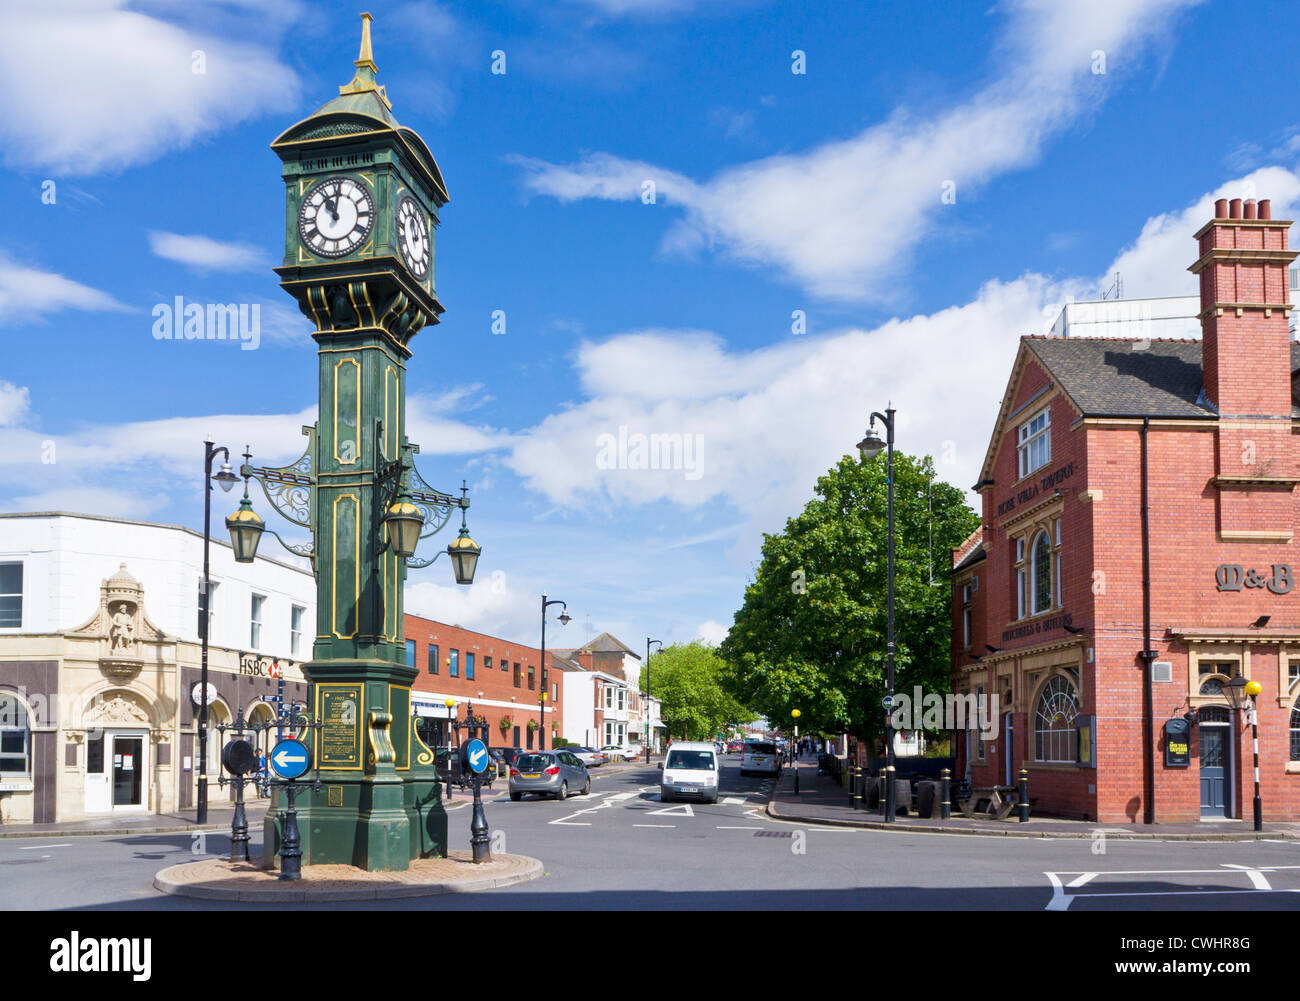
{"points": [[548, 773]]}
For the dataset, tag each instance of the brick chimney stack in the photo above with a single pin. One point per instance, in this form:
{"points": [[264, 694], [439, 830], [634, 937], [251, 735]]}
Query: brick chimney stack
{"points": [[1246, 358], [1246, 351]]}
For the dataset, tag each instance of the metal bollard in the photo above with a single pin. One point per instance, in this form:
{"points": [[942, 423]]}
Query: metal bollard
{"points": [[945, 807], [852, 787], [1024, 795]]}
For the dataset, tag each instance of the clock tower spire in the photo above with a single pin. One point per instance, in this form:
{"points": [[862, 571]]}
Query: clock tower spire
{"points": [[364, 79]]}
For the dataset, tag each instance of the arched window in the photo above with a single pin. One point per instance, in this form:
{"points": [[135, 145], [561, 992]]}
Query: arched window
{"points": [[15, 738], [1040, 585], [1055, 738]]}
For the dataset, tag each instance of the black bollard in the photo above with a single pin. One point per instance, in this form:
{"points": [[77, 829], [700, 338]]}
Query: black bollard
{"points": [[291, 846], [945, 807], [239, 826], [1024, 795]]}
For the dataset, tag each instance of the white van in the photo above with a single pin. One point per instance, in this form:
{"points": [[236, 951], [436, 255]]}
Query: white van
{"points": [[691, 768], [760, 756]]}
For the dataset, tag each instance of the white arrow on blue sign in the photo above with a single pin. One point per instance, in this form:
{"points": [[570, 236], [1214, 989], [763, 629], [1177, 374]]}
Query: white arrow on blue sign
{"points": [[478, 755], [290, 758]]}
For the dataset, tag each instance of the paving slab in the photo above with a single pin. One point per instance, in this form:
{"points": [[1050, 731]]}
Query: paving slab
{"points": [[249, 882]]}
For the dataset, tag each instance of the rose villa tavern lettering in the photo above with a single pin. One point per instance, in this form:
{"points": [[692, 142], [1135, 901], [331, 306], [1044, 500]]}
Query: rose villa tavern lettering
{"points": [[1136, 556]]}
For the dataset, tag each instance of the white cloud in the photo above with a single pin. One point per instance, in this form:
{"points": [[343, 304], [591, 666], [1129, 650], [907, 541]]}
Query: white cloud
{"points": [[104, 87], [26, 292], [206, 254], [94, 500], [1155, 264], [822, 216], [14, 403], [711, 633], [774, 419]]}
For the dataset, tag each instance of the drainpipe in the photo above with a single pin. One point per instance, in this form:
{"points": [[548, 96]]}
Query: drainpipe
{"points": [[1147, 655]]}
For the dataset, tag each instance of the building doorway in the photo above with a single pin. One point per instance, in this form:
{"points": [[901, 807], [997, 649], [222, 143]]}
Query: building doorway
{"points": [[1215, 762], [117, 770]]}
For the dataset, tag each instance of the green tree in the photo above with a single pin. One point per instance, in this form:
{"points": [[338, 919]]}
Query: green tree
{"points": [[687, 678], [820, 646]]}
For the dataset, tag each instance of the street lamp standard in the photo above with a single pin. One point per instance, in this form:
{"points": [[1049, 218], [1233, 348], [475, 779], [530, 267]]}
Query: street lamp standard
{"points": [[541, 696], [227, 479], [1239, 689], [648, 736], [870, 447]]}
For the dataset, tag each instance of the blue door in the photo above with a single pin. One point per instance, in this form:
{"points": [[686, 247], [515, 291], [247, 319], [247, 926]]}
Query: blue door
{"points": [[1214, 770]]}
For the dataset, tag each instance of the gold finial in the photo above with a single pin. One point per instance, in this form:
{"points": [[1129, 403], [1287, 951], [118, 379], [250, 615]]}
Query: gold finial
{"points": [[364, 78], [366, 58]]}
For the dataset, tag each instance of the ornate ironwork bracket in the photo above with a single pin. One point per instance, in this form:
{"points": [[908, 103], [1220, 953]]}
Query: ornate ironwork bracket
{"points": [[291, 490]]}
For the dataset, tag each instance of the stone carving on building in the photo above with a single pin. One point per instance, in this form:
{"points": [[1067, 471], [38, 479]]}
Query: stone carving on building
{"points": [[117, 710], [121, 627]]}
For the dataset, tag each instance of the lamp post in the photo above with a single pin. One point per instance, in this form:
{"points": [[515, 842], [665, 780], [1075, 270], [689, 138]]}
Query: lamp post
{"points": [[227, 479], [649, 732], [794, 748], [870, 447], [1238, 687], [541, 697]]}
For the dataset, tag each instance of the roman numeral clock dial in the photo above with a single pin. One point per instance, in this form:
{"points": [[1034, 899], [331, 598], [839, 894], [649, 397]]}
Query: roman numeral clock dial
{"points": [[413, 237], [336, 216]]}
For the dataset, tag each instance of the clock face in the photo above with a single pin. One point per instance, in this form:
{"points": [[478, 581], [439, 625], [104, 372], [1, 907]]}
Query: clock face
{"points": [[413, 237], [336, 217]]}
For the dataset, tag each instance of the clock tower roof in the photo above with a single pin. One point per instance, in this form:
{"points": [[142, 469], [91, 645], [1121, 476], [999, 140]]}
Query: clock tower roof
{"points": [[361, 110]]}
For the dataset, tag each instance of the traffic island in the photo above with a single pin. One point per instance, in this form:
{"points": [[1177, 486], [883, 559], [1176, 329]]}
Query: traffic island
{"points": [[220, 879]]}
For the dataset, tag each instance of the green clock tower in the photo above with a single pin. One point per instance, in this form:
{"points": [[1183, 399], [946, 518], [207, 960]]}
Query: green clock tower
{"points": [[362, 200]]}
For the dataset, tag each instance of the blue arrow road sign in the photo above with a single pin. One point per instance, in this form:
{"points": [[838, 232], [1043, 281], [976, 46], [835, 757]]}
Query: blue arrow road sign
{"points": [[478, 755], [290, 758]]}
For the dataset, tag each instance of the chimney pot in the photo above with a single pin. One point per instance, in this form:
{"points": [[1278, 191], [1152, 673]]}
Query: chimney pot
{"points": [[1265, 209], [1221, 209], [1234, 209], [1249, 209]]}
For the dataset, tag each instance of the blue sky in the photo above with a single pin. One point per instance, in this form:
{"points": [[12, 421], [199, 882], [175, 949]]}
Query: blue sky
{"points": [[935, 184]]}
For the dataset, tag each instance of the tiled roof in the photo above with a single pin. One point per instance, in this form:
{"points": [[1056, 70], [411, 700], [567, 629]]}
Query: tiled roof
{"points": [[1124, 377], [605, 643]]}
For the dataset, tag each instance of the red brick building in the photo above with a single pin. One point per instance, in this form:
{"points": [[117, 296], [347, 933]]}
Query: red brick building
{"points": [[1137, 554], [501, 678]]}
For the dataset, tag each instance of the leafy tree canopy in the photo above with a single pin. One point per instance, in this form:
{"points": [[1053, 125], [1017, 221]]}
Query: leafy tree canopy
{"points": [[820, 647], [687, 678]]}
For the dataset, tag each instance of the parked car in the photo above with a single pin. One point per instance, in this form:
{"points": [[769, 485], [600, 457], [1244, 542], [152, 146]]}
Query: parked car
{"points": [[548, 773], [587, 756], [506, 755], [691, 769], [759, 756], [620, 752]]}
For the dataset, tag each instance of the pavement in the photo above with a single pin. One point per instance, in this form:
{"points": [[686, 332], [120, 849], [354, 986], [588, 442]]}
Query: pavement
{"points": [[221, 815], [822, 800], [248, 882]]}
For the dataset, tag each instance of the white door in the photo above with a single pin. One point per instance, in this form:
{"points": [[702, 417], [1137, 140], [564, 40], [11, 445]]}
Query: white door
{"points": [[98, 748], [129, 767]]}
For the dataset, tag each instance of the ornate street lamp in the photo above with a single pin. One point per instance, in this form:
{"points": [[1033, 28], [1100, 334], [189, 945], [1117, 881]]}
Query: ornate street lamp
{"points": [[404, 522], [541, 701], [870, 447], [1239, 690], [464, 553]]}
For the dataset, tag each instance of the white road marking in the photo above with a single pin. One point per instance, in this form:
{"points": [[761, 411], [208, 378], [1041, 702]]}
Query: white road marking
{"points": [[734, 801], [1061, 900], [674, 811], [33, 848], [654, 825]]}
